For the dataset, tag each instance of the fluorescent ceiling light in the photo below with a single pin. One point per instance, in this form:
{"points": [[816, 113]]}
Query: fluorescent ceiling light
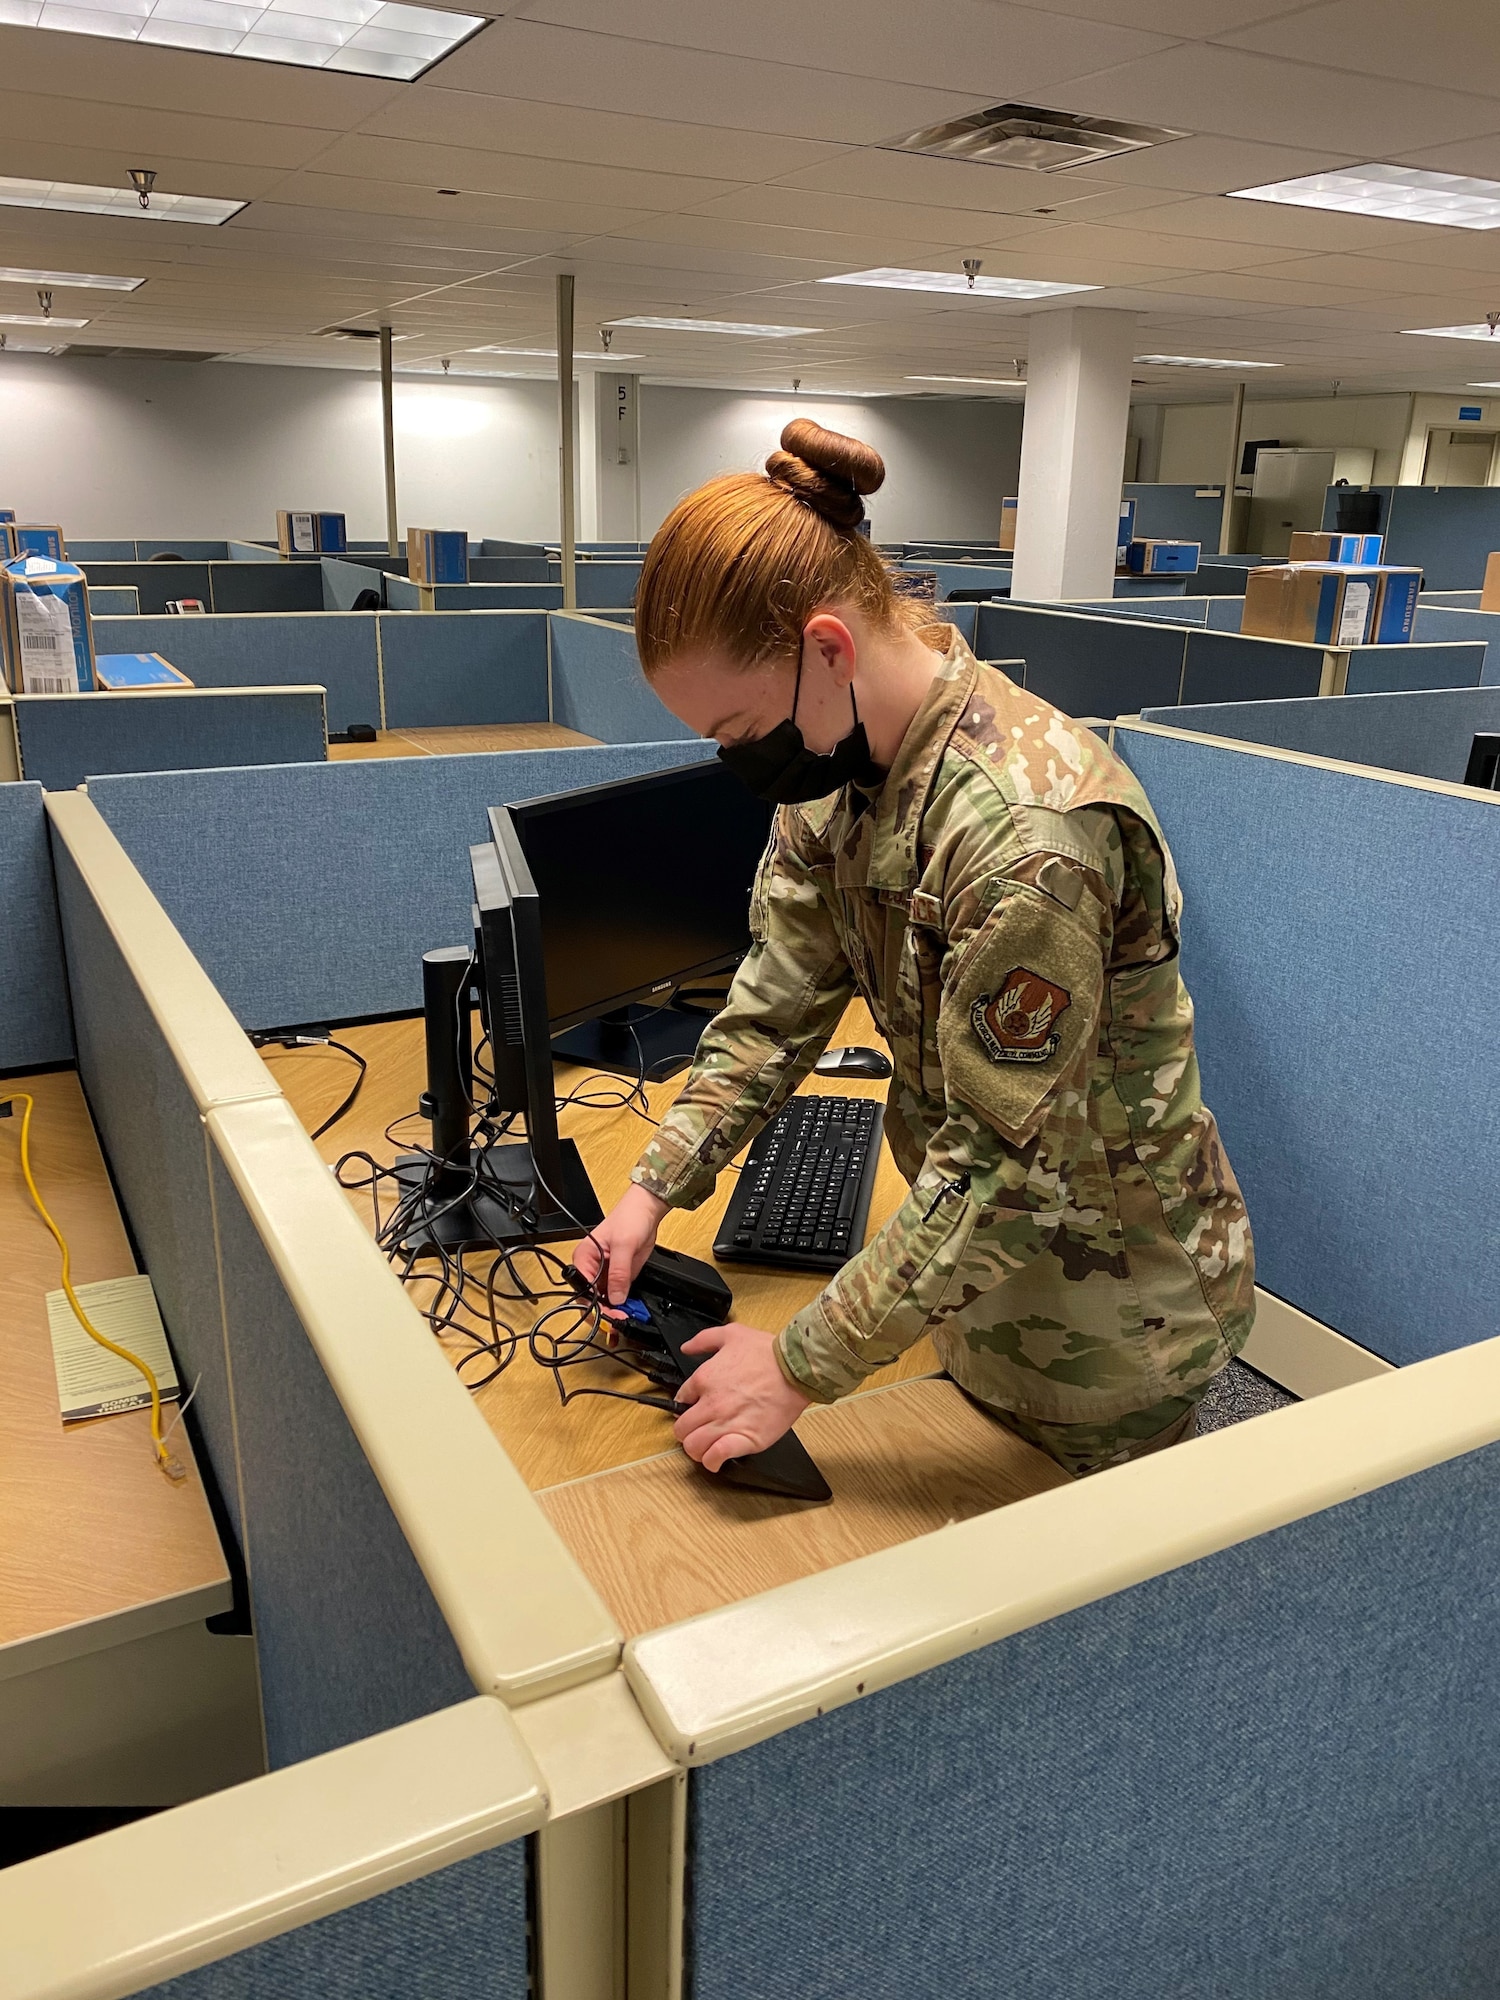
{"points": [[550, 354], [38, 319], [892, 280], [369, 37], [80, 280], [1482, 331], [82, 200], [718, 326], [975, 381], [1200, 361], [1483, 385], [1399, 194]]}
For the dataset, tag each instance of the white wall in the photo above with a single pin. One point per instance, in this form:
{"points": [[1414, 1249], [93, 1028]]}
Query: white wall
{"points": [[1195, 436], [209, 449], [949, 462]]}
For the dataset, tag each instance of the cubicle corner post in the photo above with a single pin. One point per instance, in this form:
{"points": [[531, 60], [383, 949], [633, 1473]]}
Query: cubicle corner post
{"points": [[10, 742]]}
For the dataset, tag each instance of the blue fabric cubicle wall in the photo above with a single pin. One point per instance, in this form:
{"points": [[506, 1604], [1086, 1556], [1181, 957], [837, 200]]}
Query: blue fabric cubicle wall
{"points": [[598, 687], [35, 1024], [1347, 983], [443, 668], [1446, 531], [114, 601], [1444, 624], [602, 586], [338, 876], [1086, 665], [1427, 734], [401, 594], [461, 1933], [348, 1638], [1389, 669], [338, 652], [1176, 513], [1224, 666], [1267, 1775], [66, 738]]}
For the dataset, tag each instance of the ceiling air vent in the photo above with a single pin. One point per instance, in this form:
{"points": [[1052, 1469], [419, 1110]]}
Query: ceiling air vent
{"points": [[1023, 135], [349, 332]]}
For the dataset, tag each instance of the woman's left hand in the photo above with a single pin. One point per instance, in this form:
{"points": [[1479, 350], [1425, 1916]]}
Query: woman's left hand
{"points": [[738, 1401]]}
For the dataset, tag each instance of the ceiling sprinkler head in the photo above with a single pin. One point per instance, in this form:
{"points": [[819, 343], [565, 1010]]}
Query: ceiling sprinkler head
{"points": [[1018, 362], [143, 179], [972, 266], [446, 364], [1492, 320], [606, 335], [44, 300], [796, 383]]}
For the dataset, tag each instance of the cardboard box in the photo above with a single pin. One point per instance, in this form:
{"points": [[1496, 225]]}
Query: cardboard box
{"points": [[1395, 606], [1362, 550], [308, 534], [29, 539], [1126, 534], [1489, 597], [137, 670], [1008, 524], [7, 513], [1286, 603], [1151, 558], [46, 638], [437, 555]]}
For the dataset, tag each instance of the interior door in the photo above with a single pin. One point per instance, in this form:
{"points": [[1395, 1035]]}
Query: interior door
{"points": [[1459, 458]]}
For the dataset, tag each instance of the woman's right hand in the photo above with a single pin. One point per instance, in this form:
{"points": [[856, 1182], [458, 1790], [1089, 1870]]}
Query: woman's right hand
{"points": [[622, 1242]]}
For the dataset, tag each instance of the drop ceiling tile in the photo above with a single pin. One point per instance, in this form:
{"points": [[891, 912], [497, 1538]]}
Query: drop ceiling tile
{"points": [[1278, 227], [1210, 164], [1449, 44], [830, 250], [109, 168], [1121, 244], [1207, 17], [602, 138], [472, 171], [1375, 274], [876, 221], [1240, 95], [961, 45], [51, 120], [1250, 286], [115, 72], [1465, 156], [608, 73]]}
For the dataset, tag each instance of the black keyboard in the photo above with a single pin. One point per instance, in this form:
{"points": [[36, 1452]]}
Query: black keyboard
{"points": [[803, 1196]]}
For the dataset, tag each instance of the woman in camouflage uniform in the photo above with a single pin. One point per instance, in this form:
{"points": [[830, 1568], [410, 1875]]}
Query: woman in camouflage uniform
{"points": [[990, 878]]}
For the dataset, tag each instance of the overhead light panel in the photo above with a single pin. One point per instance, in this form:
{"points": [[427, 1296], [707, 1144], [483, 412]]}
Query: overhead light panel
{"points": [[1026, 136], [38, 319], [967, 285], [1482, 331], [1483, 385], [550, 354], [80, 199], [78, 280], [1200, 361], [367, 37], [974, 381], [1397, 194], [747, 328]]}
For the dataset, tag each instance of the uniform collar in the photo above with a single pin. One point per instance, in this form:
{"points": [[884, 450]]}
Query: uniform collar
{"points": [[902, 799]]}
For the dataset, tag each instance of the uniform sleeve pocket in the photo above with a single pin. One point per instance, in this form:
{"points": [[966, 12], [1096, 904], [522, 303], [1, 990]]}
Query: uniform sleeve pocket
{"points": [[1020, 1016]]}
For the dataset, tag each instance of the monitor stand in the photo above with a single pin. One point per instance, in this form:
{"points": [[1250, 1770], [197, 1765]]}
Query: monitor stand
{"points": [[664, 1040], [498, 1205]]}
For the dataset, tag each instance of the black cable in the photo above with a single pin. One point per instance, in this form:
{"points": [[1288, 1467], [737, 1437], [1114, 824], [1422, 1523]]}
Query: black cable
{"points": [[290, 1039]]}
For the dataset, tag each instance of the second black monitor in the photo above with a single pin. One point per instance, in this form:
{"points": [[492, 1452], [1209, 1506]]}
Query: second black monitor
{"points": [[644, 890]]}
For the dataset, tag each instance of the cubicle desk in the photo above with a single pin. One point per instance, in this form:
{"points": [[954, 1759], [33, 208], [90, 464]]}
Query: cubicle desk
{"points": [[462, 741], [907, 1454], [108, 1569]]}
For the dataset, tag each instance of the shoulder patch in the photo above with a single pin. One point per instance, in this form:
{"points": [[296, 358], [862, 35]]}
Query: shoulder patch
{"points": [[1018, 1021]]}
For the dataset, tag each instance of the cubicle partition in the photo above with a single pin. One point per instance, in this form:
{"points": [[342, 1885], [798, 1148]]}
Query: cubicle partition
{"points": [[64, 738], [597, 686], [401, 594], [602, 584], [35, 1022], [448, 668], [114, 601], [339, 652], [1427, 733], [1448, 532], [189, 549], [1177, 513], [223, 586]]}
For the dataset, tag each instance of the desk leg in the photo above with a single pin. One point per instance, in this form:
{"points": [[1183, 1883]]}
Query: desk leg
{"points": [[655, 1871], [581, 1905]]}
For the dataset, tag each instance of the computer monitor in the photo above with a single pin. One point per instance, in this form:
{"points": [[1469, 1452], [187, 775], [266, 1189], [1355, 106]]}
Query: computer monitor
{"points": [[643, 890], [1484, 764]]}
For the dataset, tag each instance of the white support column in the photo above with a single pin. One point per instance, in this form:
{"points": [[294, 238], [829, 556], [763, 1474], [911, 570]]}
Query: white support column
{"points": [[617, 406], [1072, 452]]}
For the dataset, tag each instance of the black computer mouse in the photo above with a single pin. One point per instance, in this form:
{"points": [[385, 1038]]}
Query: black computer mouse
{"points": [[853, 1062]]}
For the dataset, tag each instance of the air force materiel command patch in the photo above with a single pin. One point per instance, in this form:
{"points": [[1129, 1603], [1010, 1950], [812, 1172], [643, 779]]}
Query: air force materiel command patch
{"points": [[1018, 1024]]}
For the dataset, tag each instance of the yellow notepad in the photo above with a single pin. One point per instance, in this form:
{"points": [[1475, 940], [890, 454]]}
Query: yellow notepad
{"points": [[92, 1382]]}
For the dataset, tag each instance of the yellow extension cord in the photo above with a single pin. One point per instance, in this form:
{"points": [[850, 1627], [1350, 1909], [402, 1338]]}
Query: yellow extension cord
{"points": [[172, 1467]]}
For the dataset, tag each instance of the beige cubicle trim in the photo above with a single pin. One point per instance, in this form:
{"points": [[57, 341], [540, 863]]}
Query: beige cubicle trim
{"points": [[10, 751], [523, 1615], [163, 1896], [1303, 1355], [733, 1677], [217, 1063]]}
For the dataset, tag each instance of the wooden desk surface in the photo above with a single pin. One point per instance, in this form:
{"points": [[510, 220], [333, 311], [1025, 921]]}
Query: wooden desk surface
{"points": [[453, 742], [89, 1528], [904, 1455]]}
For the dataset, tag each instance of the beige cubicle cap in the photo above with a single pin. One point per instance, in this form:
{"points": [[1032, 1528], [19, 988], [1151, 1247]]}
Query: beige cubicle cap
{"points": [[149, 1901], [735, 1676]]}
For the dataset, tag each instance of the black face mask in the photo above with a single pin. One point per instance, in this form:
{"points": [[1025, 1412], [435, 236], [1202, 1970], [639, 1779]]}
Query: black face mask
{"points": [[780, 768]]}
